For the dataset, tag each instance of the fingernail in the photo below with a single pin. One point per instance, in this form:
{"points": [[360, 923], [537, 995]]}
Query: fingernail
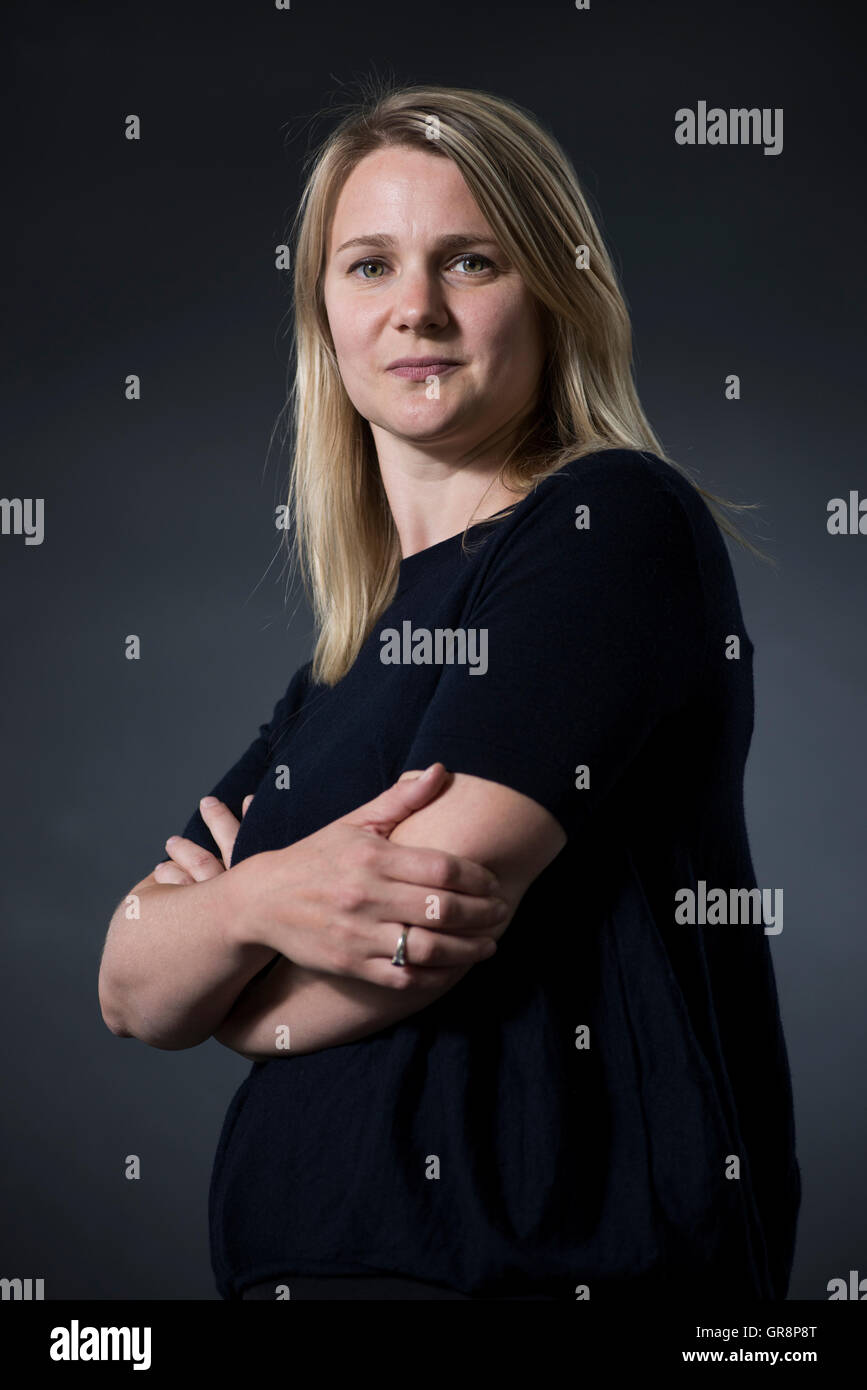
{"points": [[428, 770], [171, 840], [209, 801]]}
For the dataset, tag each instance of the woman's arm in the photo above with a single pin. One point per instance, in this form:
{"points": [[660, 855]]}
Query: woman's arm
{"points": [[173, 964], [292, 1010]]}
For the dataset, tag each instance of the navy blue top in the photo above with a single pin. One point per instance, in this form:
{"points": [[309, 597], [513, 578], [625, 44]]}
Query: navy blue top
{"points": [[564, 1157]]}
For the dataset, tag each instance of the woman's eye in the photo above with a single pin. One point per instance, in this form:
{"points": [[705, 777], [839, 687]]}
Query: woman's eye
{"points": [[474, 256]]}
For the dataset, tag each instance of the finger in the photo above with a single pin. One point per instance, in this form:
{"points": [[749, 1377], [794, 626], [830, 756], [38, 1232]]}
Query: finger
{"points": [[398, 801], [442, 910], [420, 977], [429, 950], [436, 868], [221, 823], [245, 804], [199, 863], [169, 872]]}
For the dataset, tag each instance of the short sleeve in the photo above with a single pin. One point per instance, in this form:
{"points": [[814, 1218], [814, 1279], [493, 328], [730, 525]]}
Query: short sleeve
{"points": [[246, 774], [592, 634]]}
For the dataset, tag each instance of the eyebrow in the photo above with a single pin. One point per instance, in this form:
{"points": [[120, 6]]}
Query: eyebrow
{"points": [[450, 239]]}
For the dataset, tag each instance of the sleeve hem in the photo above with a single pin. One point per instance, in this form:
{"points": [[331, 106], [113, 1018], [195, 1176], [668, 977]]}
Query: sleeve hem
{"points": [[541, 780]]}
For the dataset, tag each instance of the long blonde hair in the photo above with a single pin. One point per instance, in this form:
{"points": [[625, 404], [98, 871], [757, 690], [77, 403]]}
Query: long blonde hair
{"points": [[525, 186]]}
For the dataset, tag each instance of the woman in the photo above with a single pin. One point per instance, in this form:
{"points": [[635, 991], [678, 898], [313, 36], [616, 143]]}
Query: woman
{"points": [[541, 1084]]}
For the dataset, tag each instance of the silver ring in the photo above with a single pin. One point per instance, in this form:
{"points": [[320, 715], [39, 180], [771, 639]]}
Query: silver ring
{"points": [[399, 957]]}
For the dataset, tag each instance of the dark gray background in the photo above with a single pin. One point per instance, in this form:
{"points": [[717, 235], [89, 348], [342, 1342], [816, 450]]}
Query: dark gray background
{"points": [[157, 258]]}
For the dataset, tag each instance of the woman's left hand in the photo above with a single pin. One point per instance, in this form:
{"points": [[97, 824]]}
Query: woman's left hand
{"points": [[188, 862]]}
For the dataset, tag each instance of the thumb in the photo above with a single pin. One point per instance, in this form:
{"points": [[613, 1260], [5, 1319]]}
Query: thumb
{"points": [[409, 793]]}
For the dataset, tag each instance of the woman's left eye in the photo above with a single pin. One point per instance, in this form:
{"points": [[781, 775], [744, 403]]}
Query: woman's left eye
{"points": [[474, 256]]}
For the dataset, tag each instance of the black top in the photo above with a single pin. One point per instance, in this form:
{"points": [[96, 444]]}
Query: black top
{"points": [[565, 1157]]}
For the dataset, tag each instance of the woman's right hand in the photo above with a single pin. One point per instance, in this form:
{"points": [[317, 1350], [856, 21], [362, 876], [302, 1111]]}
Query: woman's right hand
{"points": [[338, 900]]}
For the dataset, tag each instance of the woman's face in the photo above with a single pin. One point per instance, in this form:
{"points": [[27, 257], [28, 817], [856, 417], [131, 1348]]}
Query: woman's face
{"points": [[424, 278]]}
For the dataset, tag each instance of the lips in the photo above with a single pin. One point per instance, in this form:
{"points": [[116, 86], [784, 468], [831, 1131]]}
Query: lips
{"points": [[419, 368], [422, 362]]}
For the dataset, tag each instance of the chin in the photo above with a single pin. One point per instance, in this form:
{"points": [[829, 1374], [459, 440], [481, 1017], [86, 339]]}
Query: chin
{"points": [[426, 429]]}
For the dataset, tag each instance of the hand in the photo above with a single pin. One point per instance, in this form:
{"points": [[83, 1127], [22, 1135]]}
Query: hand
{"points": [[189, 862], [337, 901]]}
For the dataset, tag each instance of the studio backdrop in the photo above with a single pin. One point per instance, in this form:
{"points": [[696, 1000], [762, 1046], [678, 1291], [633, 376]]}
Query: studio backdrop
{"points": [[151, 615]]}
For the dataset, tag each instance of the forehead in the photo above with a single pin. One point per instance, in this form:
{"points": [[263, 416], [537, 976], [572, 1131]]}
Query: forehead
{"points": [[403, 191]]}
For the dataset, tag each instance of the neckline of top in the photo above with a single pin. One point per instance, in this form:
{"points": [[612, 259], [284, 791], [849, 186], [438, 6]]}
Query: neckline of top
{"points": [[413, 566]]}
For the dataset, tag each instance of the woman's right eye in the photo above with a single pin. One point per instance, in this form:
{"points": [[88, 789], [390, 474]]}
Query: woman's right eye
{"points": [[353, 268]]}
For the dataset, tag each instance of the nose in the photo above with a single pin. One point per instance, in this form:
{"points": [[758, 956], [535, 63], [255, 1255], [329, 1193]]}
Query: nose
{"points": [[419, 302]]}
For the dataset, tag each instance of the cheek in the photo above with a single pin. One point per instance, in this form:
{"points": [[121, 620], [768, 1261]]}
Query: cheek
{"points": [[354, 341], [345, 319], [514, 358], [354, 348], [339, 322], [507, 335]]}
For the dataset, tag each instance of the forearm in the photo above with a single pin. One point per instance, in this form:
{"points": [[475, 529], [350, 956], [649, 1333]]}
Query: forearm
{"points": [[293, 1010], [173, 963]]}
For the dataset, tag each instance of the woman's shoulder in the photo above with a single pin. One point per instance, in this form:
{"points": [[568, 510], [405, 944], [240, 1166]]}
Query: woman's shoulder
{"points": [[625, 493], [626, 474], [650, 514], [635, 493]]}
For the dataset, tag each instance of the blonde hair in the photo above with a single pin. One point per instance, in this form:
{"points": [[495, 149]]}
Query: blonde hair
{"points": [[525, 186]]}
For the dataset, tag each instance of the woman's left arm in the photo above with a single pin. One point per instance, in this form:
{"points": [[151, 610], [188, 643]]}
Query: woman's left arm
{"points": [[292, 1010]]}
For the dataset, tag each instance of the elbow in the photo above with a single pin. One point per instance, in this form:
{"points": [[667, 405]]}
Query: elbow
{"points": [[164, 1039], [165, 1043], [115, 1027], [111, 1013], [161, 1040], [121, 1024]]}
